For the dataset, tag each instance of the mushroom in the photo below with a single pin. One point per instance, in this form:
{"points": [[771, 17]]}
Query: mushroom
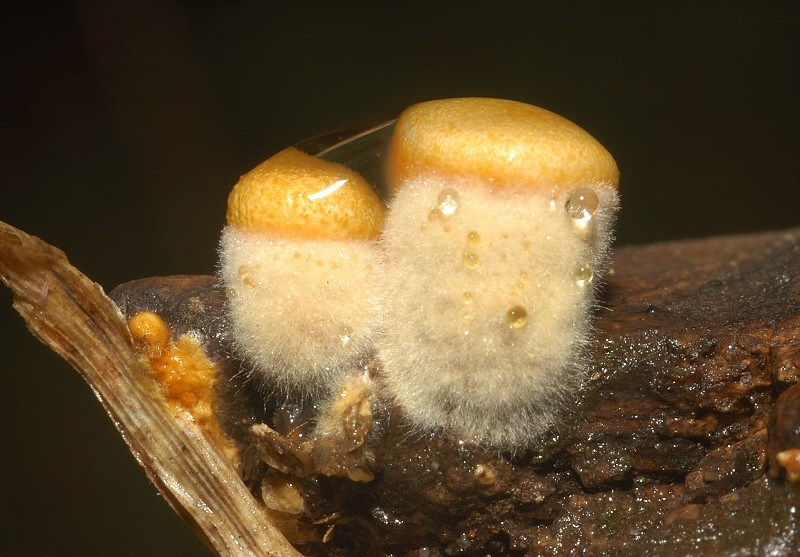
{"points": [[499, 227], [298, 259]]}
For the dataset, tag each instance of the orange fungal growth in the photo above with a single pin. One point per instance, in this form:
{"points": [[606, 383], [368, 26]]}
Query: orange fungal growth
{"points": [[507, 143], [790, 460], [150, 333], [299, 261], [184, 371], [295, 194]]}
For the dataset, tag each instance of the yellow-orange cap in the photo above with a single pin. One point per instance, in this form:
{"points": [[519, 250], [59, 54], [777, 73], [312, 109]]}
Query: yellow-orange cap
{"points": [[295, 194], [507, 142]]}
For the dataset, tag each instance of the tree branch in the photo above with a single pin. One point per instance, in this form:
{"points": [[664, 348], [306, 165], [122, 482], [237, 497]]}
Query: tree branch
{"points": [[680, 442], [73, 316]]}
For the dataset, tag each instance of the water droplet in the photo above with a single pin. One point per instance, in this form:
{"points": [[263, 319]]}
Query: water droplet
{"points": [[471, 260], [517, 317], [583, 275], [249, 281], [344, 333], [244, 270], [468, 298], [230, 293], [474, 238], [582, 204], [448, 201], [484, 474], [288, 417]]}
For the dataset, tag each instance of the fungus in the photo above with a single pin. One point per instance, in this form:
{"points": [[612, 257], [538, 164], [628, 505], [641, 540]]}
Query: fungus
{"points": [[499, 226], [298, 261]]}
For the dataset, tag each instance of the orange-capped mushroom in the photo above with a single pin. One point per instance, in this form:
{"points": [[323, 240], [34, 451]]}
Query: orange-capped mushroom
{"points": [[508, 144], [295, 194], [500, 224], [298, 259]]}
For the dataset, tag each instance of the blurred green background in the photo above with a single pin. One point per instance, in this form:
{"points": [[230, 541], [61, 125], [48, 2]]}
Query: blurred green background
{"points": [[124, 125]]}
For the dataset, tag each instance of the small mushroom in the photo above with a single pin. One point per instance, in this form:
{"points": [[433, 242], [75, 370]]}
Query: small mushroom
{"points": [[298, 259], [499, 226]]}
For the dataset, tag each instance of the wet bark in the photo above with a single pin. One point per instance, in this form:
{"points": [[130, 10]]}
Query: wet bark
{"points": [[673, 446]]}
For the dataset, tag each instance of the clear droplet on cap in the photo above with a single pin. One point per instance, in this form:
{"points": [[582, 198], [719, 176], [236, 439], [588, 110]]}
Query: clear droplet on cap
{"points": [[344, 333], [517, 317], [583, 275], [447, 201], [470, 260], [582, 204]]}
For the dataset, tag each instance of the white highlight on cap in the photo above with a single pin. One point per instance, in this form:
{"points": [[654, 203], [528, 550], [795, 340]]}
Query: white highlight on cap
{"points": [[327, 191]]}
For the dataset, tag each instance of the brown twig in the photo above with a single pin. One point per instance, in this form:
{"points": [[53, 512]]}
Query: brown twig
{"points": [[74, 317]]}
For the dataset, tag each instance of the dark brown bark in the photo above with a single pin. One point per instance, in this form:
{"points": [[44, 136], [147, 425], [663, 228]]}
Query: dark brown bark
{"points": [[669, 449]]}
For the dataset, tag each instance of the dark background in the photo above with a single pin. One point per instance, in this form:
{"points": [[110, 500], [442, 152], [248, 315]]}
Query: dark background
{"points": [[125, 125]]}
